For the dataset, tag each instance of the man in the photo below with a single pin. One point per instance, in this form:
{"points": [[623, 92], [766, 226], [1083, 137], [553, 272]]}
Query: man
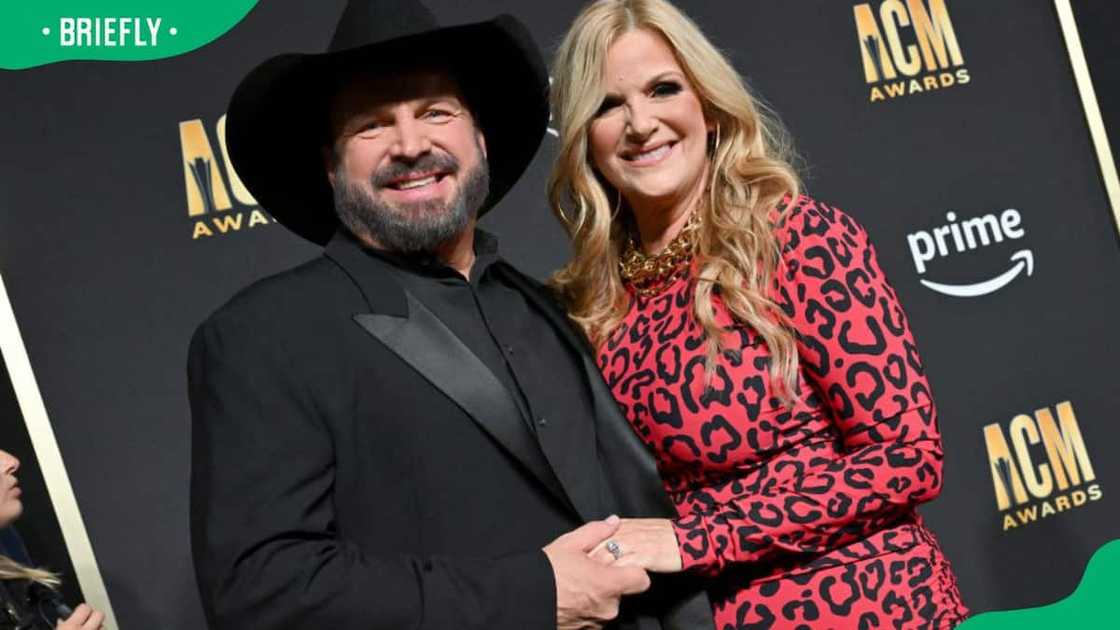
{"points": [[399, 433]]}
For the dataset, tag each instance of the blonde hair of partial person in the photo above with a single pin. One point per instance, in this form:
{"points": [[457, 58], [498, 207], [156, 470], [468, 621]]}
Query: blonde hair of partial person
{"points": [[12, 570], [748, 175]]}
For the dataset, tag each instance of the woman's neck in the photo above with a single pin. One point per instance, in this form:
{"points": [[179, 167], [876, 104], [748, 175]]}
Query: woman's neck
{"points": [[659, 223]]}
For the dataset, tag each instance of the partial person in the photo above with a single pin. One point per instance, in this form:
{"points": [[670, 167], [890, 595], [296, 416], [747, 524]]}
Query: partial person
{"points": [[405, 432], [29, 599], [750, 337]]}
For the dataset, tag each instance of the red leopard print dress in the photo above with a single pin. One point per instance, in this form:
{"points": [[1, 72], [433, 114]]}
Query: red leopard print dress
{"points": [[803, 516]]}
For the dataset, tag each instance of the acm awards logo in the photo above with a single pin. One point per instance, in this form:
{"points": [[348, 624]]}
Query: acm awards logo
{"points": [[908, 48], [1044, 470], [210, 202]]}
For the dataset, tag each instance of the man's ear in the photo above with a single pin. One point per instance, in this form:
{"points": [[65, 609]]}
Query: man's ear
{"points": [[482, 142], [328, 162]]}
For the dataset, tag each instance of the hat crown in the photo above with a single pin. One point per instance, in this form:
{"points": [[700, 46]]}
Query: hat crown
{"points": [[366, 22]]}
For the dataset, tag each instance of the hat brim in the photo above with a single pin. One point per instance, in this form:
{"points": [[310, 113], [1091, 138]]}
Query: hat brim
{"points": [[277, 120]]}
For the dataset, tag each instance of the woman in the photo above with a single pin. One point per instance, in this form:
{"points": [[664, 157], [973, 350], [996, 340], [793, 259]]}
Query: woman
{"points": [[749, 336], [28, 600]]}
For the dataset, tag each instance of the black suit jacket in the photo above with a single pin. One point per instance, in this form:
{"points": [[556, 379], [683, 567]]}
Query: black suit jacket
{"points": [[354, 465]]}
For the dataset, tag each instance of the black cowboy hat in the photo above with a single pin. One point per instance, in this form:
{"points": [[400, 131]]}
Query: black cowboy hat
{"points": [[277, 121]]}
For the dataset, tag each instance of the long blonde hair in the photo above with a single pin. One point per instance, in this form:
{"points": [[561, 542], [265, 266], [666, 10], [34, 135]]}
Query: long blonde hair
{"points": [[750, 173], [12, 570]]}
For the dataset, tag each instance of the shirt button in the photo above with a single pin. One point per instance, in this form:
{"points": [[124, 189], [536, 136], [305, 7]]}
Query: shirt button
{"points": [[509, 350], [542, 421]]}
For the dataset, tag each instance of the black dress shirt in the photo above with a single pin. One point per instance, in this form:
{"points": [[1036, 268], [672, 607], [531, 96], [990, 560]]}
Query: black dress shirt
{"points": [[505, 331]]}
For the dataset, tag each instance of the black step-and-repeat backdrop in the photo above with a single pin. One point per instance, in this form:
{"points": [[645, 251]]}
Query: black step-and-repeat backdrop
{"points": [[952, 129]]}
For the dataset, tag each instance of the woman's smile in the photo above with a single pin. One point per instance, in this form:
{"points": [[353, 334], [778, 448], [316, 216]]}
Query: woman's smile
{"points": [[651, 156]]}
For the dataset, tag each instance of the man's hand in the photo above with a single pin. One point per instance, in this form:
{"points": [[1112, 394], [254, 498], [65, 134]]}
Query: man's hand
{"points": [[588, 593]]}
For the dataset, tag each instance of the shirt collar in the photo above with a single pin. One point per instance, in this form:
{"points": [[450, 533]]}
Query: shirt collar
{"points": [[427, 264]]}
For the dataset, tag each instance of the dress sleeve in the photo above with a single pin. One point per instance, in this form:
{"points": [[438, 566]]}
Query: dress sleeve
{"points": [[858, 356]]}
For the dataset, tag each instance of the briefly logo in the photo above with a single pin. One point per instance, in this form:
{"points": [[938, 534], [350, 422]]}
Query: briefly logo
{"points": [[958, 237], [208, 198], [1033, 482], [909, 49], [109, 32]]}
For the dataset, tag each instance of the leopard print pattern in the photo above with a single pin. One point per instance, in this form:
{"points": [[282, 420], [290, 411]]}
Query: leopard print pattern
{"points": [[803, 516]]}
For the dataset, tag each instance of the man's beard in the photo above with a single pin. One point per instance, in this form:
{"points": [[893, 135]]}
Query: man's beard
{"points": [[412, 227]]}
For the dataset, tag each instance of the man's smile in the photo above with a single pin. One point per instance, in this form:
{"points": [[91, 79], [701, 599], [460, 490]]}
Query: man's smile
{"points": [[418, 187]]}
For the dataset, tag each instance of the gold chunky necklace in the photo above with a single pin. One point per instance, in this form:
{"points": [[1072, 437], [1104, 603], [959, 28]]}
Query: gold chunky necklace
{"points": [[648, 274]]}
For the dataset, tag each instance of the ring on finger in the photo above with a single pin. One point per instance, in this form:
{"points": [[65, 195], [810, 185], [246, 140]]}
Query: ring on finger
{"points": [[615, 548]]}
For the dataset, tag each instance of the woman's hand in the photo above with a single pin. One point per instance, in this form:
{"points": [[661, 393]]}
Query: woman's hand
{"points": [[84, 618], [647, 543]]}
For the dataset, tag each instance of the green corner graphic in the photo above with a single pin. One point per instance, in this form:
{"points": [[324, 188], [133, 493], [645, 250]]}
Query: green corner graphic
{"points": [[1091, 605], [38, 32]]}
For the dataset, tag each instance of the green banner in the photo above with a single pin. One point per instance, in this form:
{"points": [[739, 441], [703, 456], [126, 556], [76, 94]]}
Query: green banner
{"points": [[1092, 604], [38, 32]]}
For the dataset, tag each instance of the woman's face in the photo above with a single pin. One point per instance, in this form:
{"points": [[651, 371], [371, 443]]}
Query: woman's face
{"points": [[649, 138], [10, 505]]}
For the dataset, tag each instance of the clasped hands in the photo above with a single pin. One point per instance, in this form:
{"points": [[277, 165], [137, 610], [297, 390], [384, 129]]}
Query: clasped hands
{"points": [[646, 543], [591, 580]]}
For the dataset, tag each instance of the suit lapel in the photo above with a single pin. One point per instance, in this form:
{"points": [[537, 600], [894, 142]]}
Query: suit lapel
{"points": [[426, 344], [627, 461], [632, 483], [544, 302], [571, 448], [629, 466], [630, 469], [412, 332]]}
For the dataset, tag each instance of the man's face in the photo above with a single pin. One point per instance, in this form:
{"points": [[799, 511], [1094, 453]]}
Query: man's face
{"points": [[408, 165]]}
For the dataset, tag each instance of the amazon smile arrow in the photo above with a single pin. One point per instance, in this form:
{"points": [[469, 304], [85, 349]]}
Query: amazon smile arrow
{"points": [[1022, 259]]}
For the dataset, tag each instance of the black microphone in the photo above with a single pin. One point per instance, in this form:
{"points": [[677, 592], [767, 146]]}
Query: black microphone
{"points": [[51, 607], [62, 610]]}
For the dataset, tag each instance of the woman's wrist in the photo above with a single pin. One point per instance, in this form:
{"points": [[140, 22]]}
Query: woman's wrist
{"points": [[695, 545]]}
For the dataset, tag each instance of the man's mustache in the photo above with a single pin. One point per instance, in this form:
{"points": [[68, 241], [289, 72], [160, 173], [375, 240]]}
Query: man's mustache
{"points": [[425, 164]]}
